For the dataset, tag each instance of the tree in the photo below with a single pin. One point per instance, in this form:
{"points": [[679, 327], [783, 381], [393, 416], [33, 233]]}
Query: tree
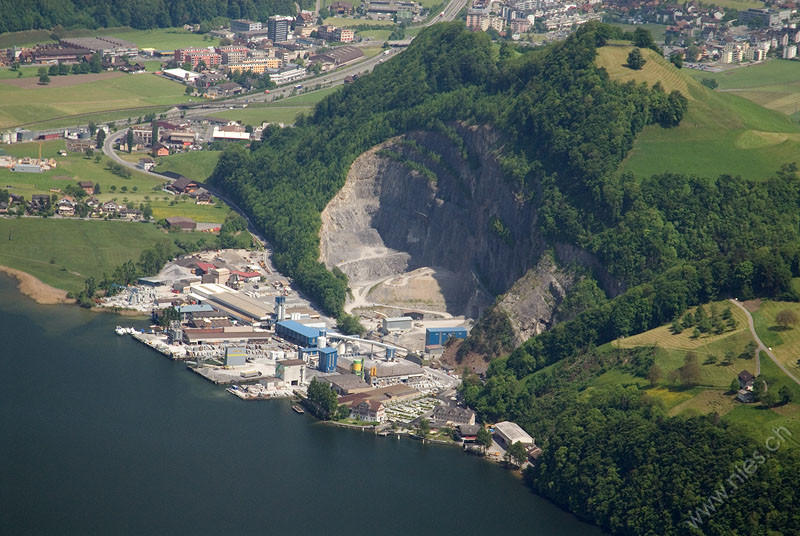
{"points": [[655, 374], [44, 79], [516, 454], [169, 315], [129, 140], [154, 130], [735, 385], [188, 90], [484, 439], [92, 128], [642, 38], [97, 187], [147, 212], [350, 325], [676, 327], [769, 398], [322, 398], [786, 319], [635, 60], [690, 371], [53, 70], [101, 138], [676, 59], [96, 63], [424, 427], [693, 53], [785, 395]]}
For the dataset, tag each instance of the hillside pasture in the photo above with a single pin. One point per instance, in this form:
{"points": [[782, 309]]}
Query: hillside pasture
{"points": [[63, 253], [614, 60], [785, 343], [83, 94]]}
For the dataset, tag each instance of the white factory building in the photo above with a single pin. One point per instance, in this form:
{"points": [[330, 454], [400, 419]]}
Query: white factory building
{"points": [[509, 433], [236, 304]]}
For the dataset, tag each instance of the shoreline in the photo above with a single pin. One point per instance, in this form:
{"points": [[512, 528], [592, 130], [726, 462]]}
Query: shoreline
{"points": [[35, 289]]}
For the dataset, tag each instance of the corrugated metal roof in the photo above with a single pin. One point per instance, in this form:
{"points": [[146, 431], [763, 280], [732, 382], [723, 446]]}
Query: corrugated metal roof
{"points": [[297, 327]]}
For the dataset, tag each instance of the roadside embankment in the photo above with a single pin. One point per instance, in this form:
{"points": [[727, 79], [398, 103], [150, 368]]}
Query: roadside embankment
{"points": [[35, 289]]}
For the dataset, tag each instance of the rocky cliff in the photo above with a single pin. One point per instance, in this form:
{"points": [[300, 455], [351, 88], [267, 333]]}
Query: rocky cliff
{"points": [[438, 200]]}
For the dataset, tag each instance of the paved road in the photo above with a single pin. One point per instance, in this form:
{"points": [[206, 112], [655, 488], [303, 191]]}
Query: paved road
{"points": [[108, 150], [761, 345]]}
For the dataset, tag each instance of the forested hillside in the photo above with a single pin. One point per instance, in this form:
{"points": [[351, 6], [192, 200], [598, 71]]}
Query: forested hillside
{"points": [[569, 124], [142, 14]]}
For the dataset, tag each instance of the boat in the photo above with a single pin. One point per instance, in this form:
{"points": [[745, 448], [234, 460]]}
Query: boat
{"points": [[119, 330], [298, 409]]}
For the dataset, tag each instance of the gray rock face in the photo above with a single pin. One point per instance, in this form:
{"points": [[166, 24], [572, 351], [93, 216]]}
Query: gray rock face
{"points": [[420, 201]]}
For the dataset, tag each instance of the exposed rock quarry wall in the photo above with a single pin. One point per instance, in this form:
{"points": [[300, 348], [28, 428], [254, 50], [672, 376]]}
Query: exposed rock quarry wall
{"points": [[391, 218]]}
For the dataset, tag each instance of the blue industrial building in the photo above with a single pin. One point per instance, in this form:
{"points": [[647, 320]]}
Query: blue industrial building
{"points": [[327, 359], [439, 336], [297, 333]]}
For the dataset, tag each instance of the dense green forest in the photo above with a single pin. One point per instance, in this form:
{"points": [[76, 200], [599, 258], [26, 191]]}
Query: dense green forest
{"points": [[142, 14], [614, 457]]}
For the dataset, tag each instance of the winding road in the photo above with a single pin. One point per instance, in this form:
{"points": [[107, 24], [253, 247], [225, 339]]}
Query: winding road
{"points": [[761, 345]]}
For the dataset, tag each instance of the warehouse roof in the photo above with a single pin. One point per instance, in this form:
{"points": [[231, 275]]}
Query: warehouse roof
{"points": [[291, 362], [195, 308], [512, 433], [297, 327]]}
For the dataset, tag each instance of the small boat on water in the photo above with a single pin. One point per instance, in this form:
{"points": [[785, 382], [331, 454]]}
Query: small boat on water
{"points": [[298, 409], [119, 330]]}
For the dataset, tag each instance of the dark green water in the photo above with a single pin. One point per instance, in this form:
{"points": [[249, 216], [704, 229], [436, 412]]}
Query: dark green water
{"points": [[99, 435]]}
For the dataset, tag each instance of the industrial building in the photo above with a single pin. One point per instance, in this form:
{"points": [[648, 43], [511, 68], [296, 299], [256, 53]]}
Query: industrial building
{"points": [[397, 323], [327, 359], [509, 433], [347, 384], [297, 333], [230, 334], [439, 336], [392, 374], [291, 371], [236, 304], [244, 25], [394, 394], [235, 357]]}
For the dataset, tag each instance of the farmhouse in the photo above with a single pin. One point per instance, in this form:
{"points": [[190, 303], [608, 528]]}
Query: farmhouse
{"points": [[183, 185], [159, 149], [87, 187]]}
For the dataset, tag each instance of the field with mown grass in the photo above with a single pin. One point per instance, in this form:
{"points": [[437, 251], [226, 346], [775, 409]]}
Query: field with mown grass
{"points": [[774, 84], [785, 343], [721, 133], [279, 111], [63, 253], [159, 38], [83, 94], [138, 189]]}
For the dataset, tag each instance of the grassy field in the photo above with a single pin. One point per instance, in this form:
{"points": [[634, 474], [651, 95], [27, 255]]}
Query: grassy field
{"points": [[785, 344], [377, 35], [721, 133], [138, 189], [280, 111], [738, 5], [82, 94], [162, 38], [63, 253], [119, 116], [774, 84], [197, 165]]}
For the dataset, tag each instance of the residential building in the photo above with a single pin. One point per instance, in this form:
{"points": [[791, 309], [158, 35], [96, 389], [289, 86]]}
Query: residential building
{"points": [[194, 56], [147, 164], [369, 411], [159, 149], [183, 185], [210, 79], [233, 53], [341, 8], [278, 28], [65, 207], [87, 186], [468, 432], [789, 52], [452, 415], [332, 33], [243, 25], [256, 65]]}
